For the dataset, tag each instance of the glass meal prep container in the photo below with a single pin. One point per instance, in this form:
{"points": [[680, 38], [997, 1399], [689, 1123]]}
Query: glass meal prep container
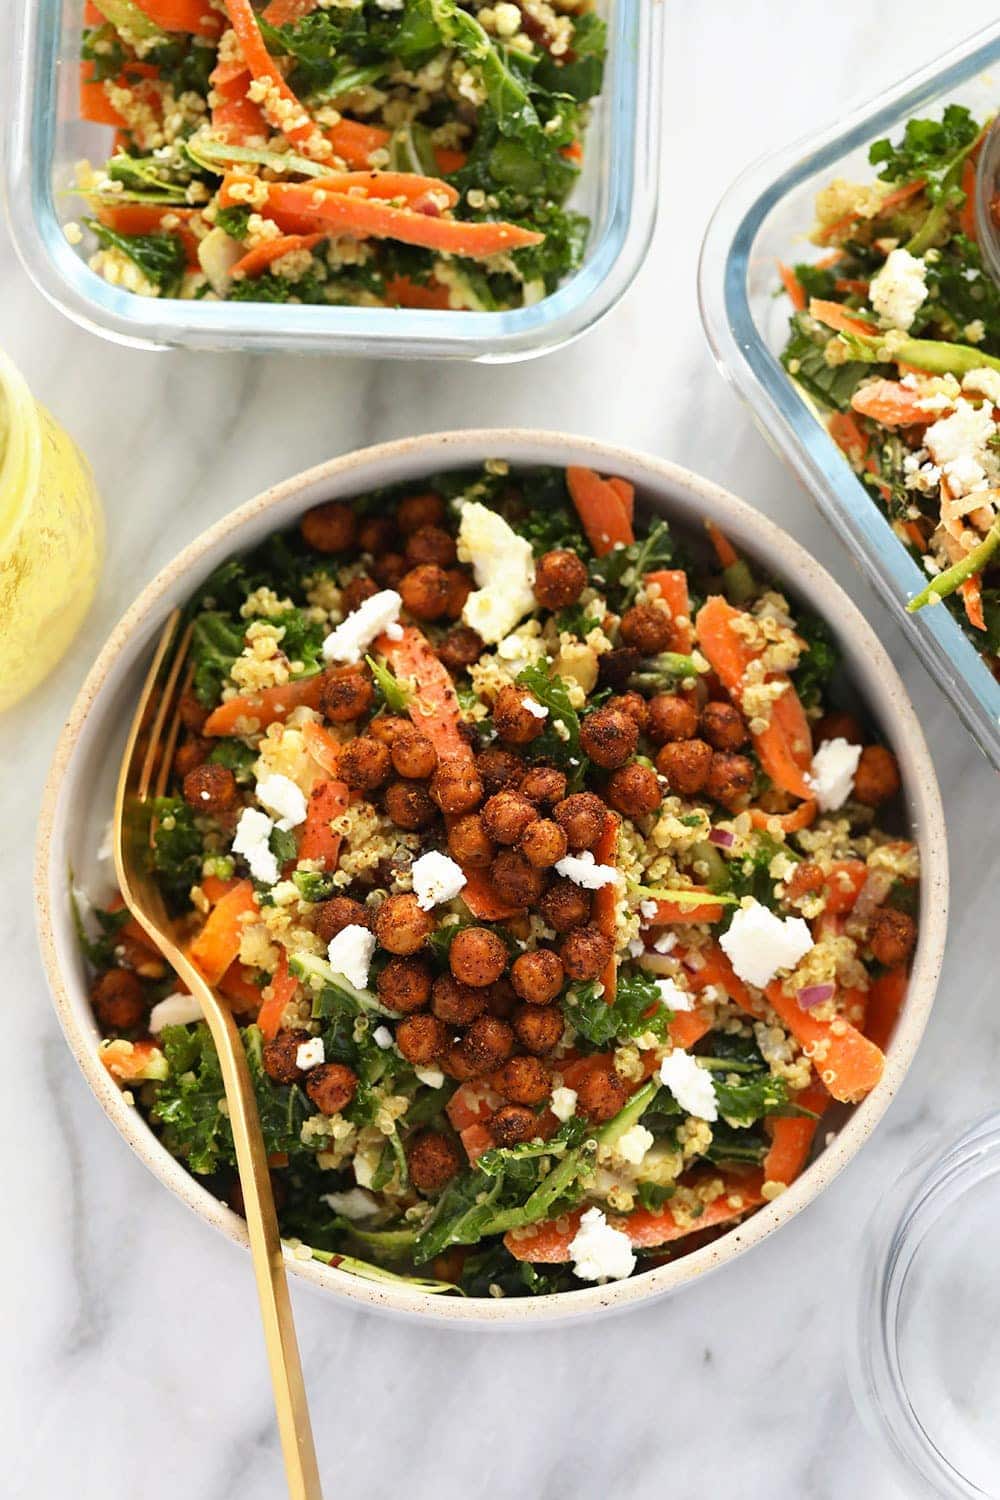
{"points": [[617, 190], [764, 218]]}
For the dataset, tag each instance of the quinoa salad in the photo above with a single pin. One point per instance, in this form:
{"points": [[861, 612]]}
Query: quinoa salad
{"points": [[559, 886], [895, 338], [397, 153]]}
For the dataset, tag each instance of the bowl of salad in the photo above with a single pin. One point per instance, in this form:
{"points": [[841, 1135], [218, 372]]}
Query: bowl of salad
{"points": [[563, 839], [355, 178]]}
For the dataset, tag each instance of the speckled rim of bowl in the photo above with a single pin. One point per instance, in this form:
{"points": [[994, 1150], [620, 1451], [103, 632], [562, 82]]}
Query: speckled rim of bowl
{"points": [[677, 491]]}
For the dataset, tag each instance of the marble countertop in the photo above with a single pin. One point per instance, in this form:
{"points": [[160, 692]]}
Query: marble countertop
{"points": [[132, 1359]]}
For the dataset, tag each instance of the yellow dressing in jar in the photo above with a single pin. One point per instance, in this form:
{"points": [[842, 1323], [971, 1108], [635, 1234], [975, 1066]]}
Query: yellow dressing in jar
{"points": [[51, 538]]}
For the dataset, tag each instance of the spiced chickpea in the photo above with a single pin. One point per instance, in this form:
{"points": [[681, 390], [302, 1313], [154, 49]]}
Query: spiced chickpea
{"points": [[512, 720], [543, 785], [422, 1039], [336, 914], [512, 1125], [538, 1028], [498, 769], [891, 936], [506, 815], [723, 726], [210, 789], [409, 805], [877, 776], [516, 880], [354, 593], [413, 755], [671, 718], [460, 648], [194, 752], [401, 926], [614, 668], [456, 1065], [647, 628], [560, 579], [456, 788], [565, 905], [838, 725], [730, 779], [456, 1004], [459, 589], [419, 510], [280, 1055], [346, 695], [487, 1044], [523, 1080], [609, 737], [501, 998], [433, 1160], [685, 764], [430, 544], [425, 591], [477, 956], [386, 728], [634, 790], [633, 704], [469, 843], [389, 568], [376, 534], [585, 952], [538, 976], [192, 714], [331, 1087], [581, 817], [118, 1001], [601, 1094], [332, 527], [542, 843], [364, 764], [404, 985]]}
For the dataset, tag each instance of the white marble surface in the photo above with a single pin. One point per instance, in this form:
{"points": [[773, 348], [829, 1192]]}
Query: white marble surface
{"points": [[131, 1359]]}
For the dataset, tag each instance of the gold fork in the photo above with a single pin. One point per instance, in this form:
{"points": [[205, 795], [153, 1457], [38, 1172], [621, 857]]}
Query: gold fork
{"points": [[144, 774]]}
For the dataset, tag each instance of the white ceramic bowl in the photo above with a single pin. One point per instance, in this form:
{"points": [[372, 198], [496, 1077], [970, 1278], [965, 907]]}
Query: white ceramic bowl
{"points": [[79, 792]]}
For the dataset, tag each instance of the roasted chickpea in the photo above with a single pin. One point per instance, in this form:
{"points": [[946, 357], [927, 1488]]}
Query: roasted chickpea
{"points": [[685, 764], [730, 778], [419, 510], [192, 714], [279, 1056], [118, 1001], [422, 1039], [506, 815], [346, 695], [130, 953], [425, 591], [331, 1087], [430, 544], [523, 1080], [542, 843], [877, 776], [460, 648], [515, 879], [633, 704], [501, 998], [565, 905], [376, 534], [671, 718], [477, 955], [405, 984], [433, 1160], [469, 843], [409, 805], [839, 725], [210, 789], [634, 790], [647, 628], [364, 764], [456, 1004], [512, 1124], [560, 579], [582, 818], [585, 952], [401, 926], [601, 1094], [543, 785], [609, 737], [614, 668], [332, 527], [459, 589], [723, 726], [336, 914], [487, 1044], [413, 755], [354, 594], [389, 568], [538, 976], [538, 1028], [386, 728], [891, 936], [193, 752], [498, 769], [456, 1065], [456, 788], [513, 721]]}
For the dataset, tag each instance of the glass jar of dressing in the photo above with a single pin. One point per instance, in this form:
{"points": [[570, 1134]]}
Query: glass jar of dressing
{"points": [[51, 538]]}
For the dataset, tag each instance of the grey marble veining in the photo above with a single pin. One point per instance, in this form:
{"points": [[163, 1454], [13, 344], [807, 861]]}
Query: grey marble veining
{"points": [[131, 1361]]}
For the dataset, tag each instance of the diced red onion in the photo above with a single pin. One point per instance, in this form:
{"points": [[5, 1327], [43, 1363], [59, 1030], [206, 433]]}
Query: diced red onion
{"points": [[722, 837], [815, 994], [874, 891]]}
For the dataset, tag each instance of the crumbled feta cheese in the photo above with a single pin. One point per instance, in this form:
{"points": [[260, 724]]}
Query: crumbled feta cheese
{"points": [[350, 954], [673, 997], [535, 709], [599, 1252], [252, 840], [898, 290], [832, 773], [636, 947], [173, 1010], [504, 567], [354, 1204], [665, 943], [436, 878], [690, 1084], [349, 641], [584, 871], [960, 445], [283, 799], [648, 910], [310, 1054], [759, 943], [433, 1077], [984, 382], [633, 1144], [382, 1037], [563, 1103]]}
